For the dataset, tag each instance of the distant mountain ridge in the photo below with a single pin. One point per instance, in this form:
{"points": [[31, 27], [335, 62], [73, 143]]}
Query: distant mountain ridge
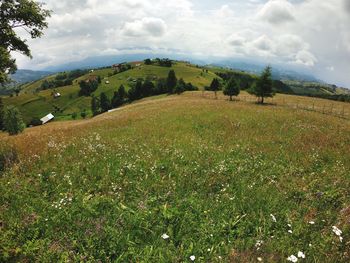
{"points": [[25, 75]]}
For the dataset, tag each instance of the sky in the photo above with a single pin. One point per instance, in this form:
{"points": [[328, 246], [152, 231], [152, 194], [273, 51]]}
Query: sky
{"points": [[309, 35]]}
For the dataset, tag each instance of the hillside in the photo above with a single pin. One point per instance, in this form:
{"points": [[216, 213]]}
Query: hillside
{"points": [[34, 102], [164, 179]]}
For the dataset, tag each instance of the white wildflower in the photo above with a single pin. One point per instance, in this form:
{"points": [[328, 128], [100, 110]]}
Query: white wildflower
{"points": [[165, 236], [192, 258], [337, 231], [292, 258], [290, 231], [301, 254], [312, 222], [259, 259], [273, 218]]}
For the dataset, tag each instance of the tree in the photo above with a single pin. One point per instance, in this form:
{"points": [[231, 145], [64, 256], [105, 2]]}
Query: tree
{"points": [[171, 81], [232, 88], [15, 14], [88, 86], [83, 114], [95, 106], [148, 61], [147, 88], [215, 86], [13, 121], [105, 103], [74, 115], [263, 87], [1, 114], [180, 87], [122, 93], [135, 92], [117, 101]]}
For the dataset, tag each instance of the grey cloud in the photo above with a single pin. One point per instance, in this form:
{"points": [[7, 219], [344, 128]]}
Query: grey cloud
{"points": [[277, 12]]}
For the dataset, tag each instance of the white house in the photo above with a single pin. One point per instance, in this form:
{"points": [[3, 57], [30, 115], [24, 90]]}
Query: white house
{"points": [[57, 95], [47, 118]]}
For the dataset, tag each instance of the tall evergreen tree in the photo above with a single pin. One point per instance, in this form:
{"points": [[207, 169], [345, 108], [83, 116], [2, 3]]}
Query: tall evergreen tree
{"points": [[122, 93], [104, 102], [2, 107], [117, 101], [13, 121], [171, 81], [215, 86], [232, 88], [263, 87], [95, 106], [147, 88]]}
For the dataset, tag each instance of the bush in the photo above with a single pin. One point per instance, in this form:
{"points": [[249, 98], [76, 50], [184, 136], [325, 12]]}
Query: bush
{"points": [[35, 122], [13, 122], [8, 157]]}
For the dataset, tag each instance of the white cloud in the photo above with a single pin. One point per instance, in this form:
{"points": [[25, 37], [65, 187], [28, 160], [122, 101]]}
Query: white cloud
{"points": [[148, 26], [312, 33]]}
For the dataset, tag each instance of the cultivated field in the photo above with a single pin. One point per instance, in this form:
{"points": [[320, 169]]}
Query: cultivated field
{"points": [[165, 179]]}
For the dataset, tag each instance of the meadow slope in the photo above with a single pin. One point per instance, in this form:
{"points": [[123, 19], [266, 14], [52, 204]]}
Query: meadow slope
{"points": [[225, 181]]}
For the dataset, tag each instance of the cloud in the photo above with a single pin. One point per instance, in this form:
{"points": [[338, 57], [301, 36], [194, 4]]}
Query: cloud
{"points": [[277, 12], [308, 34], [305, 58], [347, 5], [147, 26]]}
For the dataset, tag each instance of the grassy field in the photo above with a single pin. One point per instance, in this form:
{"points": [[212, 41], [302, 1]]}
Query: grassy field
{"points": [[38, 104], [166, 179]]}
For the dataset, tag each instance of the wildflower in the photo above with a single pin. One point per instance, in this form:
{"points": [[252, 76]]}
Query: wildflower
{"points": [[301, 254], [290, 231], [165, 236], [337, 231], [311, 222], [292, 258], [258, 244], [259, 259], [192, 258], [273, 218]]}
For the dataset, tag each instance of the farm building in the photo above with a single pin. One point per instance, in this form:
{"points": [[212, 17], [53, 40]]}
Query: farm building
{"points": [[56, 95], [47, 118]]}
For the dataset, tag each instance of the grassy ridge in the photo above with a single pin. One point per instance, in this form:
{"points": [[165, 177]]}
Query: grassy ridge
{"points": [[34, 104], [208, 173]]}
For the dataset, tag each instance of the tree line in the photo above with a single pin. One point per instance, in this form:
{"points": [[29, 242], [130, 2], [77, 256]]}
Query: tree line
{"points": [[141, 89]]}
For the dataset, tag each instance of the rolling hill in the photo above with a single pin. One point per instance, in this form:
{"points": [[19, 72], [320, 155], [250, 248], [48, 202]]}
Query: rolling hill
{"points": [[34, 102], [166, 179]]}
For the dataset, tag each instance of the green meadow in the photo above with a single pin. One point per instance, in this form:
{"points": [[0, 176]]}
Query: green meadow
{"points": [[179, 179]]}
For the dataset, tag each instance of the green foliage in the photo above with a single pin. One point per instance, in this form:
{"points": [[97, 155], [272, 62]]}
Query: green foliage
{"points": [[83, 114], [35, 122], [232, 88], [95, 106], [105, 103], [74, 115], [171, 81], [2, 107], [180, 87], [88, 86], [13, 122], [215, 86], [148, 61], [15, 14], [263, 87]]}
